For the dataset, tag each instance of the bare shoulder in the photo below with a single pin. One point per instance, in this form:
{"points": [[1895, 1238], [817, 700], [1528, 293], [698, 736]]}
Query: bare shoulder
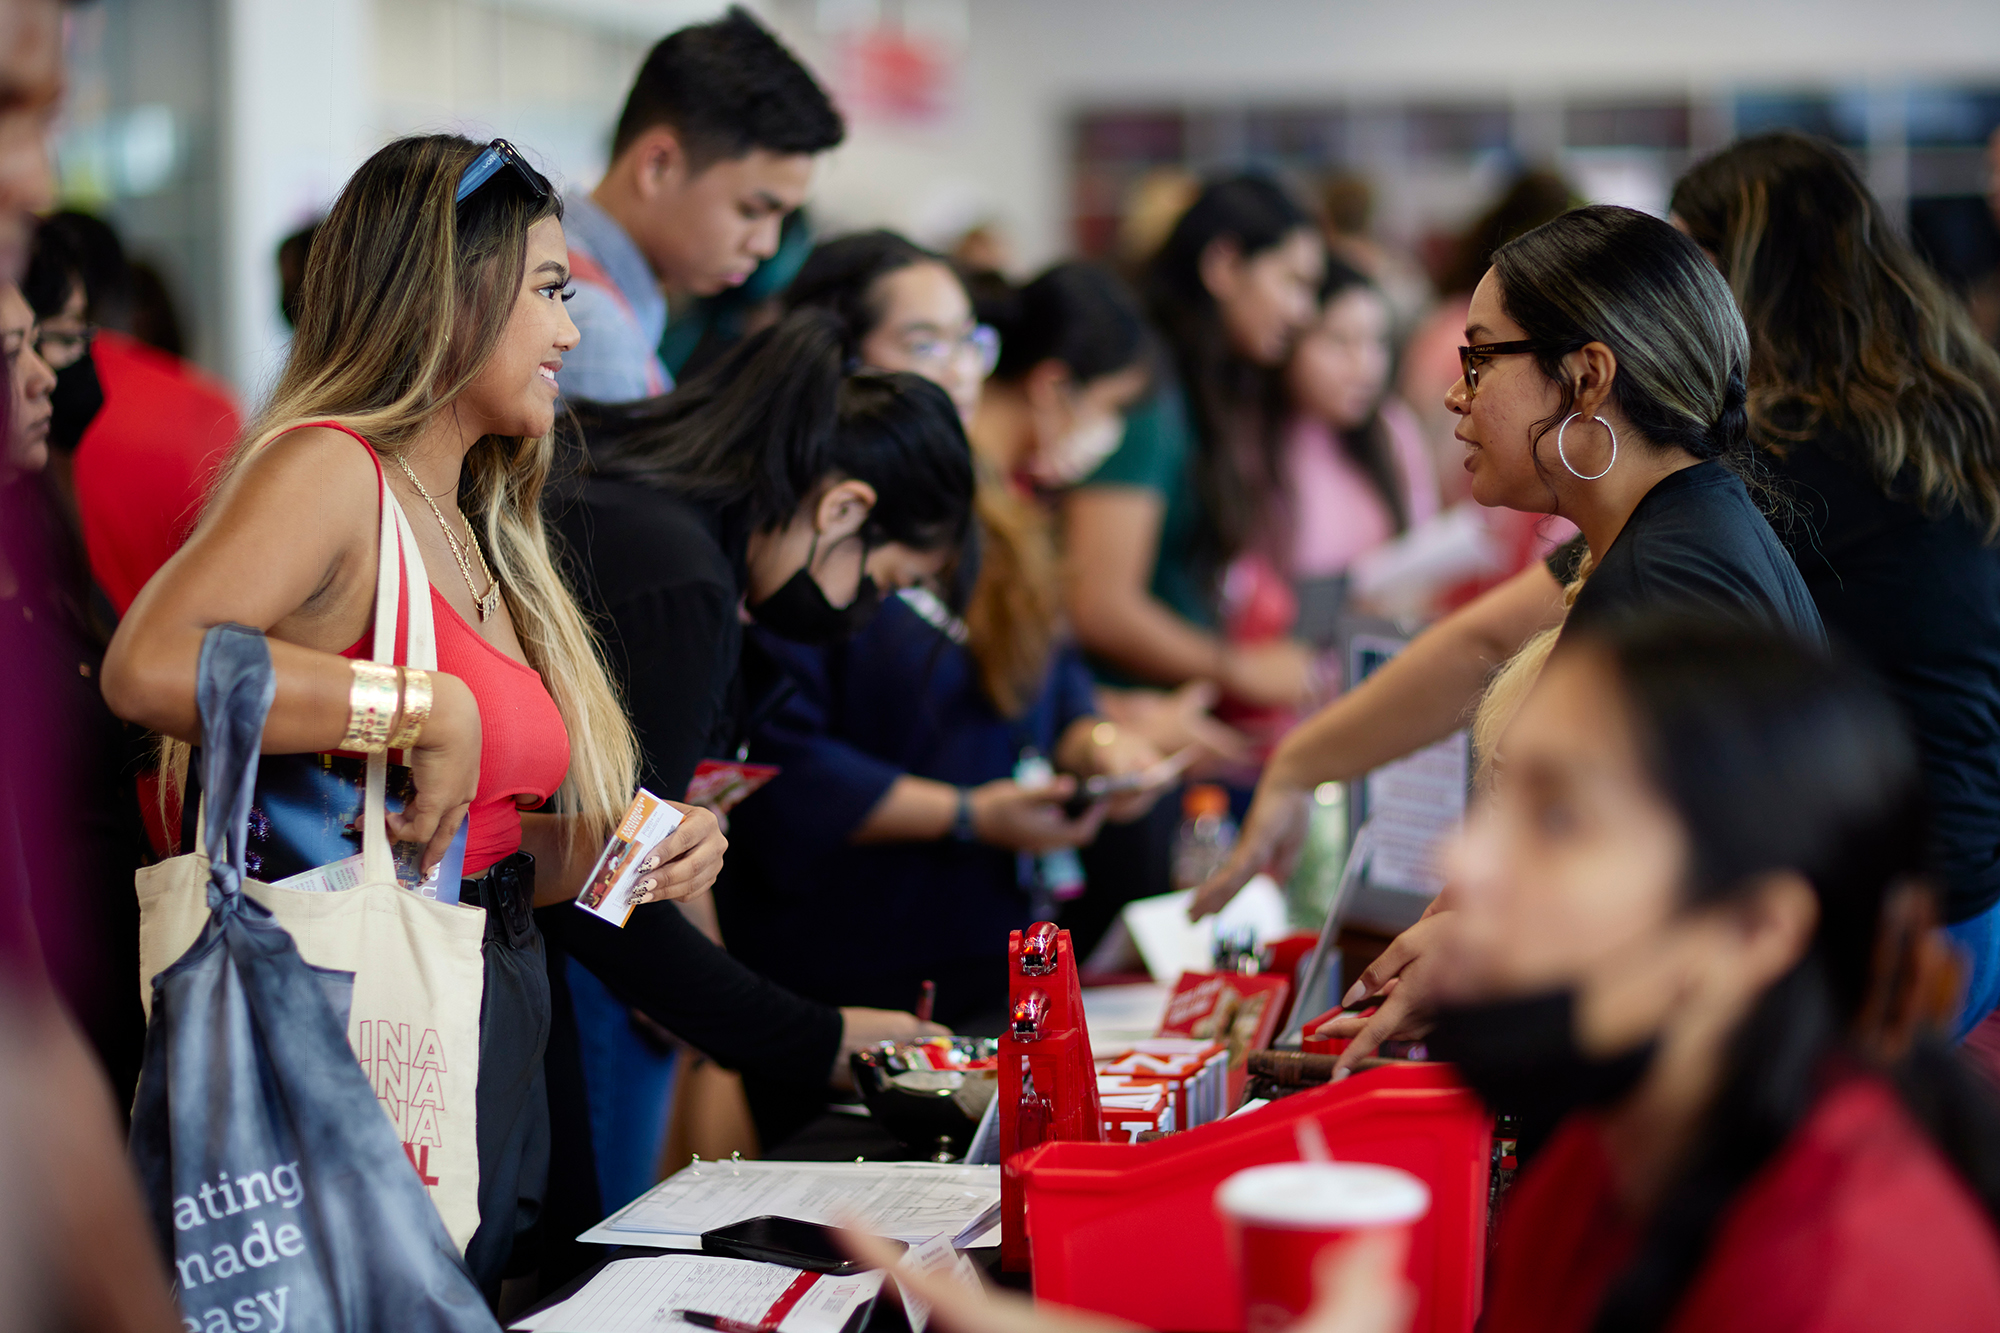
{"points": [[315, 471], [318, 455]]}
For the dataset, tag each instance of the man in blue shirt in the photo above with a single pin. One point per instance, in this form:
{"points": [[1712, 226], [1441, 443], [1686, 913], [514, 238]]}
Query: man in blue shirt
{"points": [[715, 146]]}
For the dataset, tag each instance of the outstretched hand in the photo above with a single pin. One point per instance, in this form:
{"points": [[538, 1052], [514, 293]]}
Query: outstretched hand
{"points": [[1174, 720], [865, 1029], [1405, 977], [1273, 834], [959, 1307]]}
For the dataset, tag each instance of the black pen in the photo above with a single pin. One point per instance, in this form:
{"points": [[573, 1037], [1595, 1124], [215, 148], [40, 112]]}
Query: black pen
{"points": [[721, 1324]]}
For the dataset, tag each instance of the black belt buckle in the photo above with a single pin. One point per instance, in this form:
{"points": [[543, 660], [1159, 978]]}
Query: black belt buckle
{"points": [[507, 892]]}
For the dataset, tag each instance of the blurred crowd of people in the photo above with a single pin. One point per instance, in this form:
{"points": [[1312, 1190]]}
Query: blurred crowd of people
{"points": [[871, 560]]}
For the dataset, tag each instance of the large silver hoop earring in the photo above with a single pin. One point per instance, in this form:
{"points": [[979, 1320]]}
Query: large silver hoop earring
{"points": [[1565, 457]]}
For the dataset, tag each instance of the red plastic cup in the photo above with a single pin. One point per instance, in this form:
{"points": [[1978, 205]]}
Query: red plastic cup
{"points": [[1280, 1217]]}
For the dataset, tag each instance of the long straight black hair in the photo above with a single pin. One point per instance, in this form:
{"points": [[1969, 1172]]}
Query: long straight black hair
{"points": [[1368, 445], [1777, 759], [778, 416], [1233, 403]]}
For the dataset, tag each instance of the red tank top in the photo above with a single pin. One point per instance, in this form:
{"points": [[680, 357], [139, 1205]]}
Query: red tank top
{"points": [[524, 747]]}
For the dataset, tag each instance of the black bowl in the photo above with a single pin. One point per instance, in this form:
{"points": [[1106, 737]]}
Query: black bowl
{"points": [[930, 1111]]}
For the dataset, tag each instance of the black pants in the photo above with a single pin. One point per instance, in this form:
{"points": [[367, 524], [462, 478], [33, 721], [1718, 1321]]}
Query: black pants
{"points": [[573, 1204], [513, 1104]]}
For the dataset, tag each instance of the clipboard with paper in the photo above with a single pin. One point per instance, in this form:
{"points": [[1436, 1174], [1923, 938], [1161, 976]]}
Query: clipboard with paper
{"points": [[907, 1201], [641, 1296]]}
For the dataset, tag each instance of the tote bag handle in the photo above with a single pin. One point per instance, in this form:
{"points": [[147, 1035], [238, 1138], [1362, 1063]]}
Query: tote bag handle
{"points": [[397, 540], [397, 556], [234, 685]]}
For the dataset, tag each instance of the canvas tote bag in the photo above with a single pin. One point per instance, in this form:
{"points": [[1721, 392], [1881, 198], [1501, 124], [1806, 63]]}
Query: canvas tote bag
{"points": [[419, 975], [281, 1195]]}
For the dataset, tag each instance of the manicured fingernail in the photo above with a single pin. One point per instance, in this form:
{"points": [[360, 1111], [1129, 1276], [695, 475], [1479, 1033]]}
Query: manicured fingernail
{"points": [[650, 863], [1354, 992], [644, 886]]}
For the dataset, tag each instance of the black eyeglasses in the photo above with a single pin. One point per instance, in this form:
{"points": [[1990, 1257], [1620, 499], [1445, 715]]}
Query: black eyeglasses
{"points": [[62, 348], [1470, 359], [500, 154]]}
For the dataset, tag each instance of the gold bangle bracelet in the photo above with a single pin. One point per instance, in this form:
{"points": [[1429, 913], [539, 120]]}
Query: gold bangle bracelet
{"points": [[371, 708], [416, 710]]}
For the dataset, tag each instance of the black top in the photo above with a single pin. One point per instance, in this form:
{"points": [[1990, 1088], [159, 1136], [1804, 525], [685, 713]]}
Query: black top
{"points": [[661, 578], [1916, 597], [868, 925], [1696, 542]]}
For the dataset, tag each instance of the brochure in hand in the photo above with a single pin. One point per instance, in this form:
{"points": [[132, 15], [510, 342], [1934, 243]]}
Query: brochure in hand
{"points": [[608, 891]]}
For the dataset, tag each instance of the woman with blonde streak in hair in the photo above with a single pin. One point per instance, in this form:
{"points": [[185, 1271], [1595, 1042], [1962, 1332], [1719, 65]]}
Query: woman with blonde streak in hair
{"points": [[431, 326], [1606, 381]]}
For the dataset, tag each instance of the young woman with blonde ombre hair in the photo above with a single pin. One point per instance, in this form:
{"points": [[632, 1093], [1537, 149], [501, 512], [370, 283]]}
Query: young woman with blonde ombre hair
{"points": [[430, 327]]}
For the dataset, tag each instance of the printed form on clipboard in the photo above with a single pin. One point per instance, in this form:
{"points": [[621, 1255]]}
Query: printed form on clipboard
{"points": [[643, 1295], [908, 1201]]}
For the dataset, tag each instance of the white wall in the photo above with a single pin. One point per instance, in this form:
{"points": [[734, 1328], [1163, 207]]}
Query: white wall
{"points": [[313, 86], [295, 120], [1032, 63]]}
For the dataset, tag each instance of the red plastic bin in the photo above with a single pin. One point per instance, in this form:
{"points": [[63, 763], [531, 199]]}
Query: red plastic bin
{"points": [[1131, 1229]]}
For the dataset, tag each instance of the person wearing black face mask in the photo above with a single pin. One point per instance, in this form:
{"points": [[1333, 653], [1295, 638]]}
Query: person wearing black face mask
{"points": [[928, 763], [78, 396], [1690, 920], [136, 433], [53, 286], [776, 484], [799, 609], [777, 481]]}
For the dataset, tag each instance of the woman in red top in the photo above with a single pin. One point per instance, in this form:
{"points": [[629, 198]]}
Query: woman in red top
{"points": [[430, 329], [1691, 923]]}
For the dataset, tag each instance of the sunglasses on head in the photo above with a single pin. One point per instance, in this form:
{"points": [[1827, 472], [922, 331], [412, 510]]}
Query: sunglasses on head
{"points": [[497, 156]]}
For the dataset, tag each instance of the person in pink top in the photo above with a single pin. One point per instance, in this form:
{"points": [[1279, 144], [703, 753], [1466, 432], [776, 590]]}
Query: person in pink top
{"points": [[1355, 467]]}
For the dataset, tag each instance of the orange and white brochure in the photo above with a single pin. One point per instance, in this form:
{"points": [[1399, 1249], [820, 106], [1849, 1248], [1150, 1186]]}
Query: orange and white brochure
{"points": [[608, 891]]}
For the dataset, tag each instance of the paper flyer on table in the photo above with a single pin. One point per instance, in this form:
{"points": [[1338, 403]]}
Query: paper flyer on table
{"points": [[910, 1201], [641, 1296]]}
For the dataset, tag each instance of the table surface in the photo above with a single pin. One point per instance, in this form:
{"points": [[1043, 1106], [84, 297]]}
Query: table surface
{"points": [[1118, 1012], [833, 1137]]}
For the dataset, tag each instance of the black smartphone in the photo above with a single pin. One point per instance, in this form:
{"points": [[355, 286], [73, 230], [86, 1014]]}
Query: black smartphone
{"points": [[785, 1240], [1092, 790]]}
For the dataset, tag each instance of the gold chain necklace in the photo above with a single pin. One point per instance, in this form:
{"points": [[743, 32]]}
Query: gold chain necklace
{"points": [[486, 603]]}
